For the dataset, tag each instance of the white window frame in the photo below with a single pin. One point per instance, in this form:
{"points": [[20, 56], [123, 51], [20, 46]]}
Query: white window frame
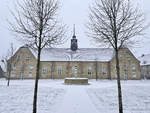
{"points": [[104, 70], [120, 56], [27, 57], [89, 70], [44, 70], [18, 57], [74, 70], [134, 67], [125, 67], [31, 66], [128, 57], [30, 74], [13, 74], [59, 70], [134, 74], [14, 66]]}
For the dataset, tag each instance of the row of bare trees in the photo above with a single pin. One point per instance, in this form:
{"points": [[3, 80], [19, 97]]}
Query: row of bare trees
{"points": [[111, 22]]}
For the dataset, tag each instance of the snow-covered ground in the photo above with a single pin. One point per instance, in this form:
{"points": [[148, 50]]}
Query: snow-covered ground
{"points": [[55, 97]]}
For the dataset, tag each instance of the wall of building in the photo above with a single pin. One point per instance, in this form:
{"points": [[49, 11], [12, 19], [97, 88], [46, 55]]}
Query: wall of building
{"points": [[24, 67], [82, 69], [23, 64], [129, 66], [145, 71]]}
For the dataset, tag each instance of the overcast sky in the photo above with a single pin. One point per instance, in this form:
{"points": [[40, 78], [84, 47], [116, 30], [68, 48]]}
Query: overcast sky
{"points": [[71, 12]]}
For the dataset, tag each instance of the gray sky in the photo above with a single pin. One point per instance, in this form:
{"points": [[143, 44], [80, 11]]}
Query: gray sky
{"points": [[71, 12]]}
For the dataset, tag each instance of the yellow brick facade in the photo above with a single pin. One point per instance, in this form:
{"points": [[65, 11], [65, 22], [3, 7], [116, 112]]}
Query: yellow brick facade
{"points": [[24, 67]]}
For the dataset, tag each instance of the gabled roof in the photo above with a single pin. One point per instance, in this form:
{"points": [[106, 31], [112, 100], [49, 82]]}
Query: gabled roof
{"points": [[82, 54], [144, 59]]}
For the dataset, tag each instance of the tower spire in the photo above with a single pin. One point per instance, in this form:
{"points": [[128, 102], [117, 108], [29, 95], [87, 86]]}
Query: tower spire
{"points": [[74, 30], [74, 41]]}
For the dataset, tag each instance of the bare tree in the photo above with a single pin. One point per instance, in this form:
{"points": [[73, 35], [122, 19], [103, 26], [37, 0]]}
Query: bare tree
{"points": [[115, 23], [38, 27], [96, 69], [9, 62], [53, 69]]}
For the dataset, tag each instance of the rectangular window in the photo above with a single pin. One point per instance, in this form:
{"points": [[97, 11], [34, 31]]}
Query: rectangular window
{"points": [[31, 66], [14, 66], [134, 74], [133, 67], [30, 74], [120, 57], [74, 70], [128, 58], [27, 57], [89, 70], [44, 70], [104, 70], [125, 67], [19, 57], [13, 74], [59, 70]]}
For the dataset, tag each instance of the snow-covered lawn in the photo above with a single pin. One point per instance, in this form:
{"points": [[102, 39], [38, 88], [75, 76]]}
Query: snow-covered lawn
{"points": [[55, 97]]}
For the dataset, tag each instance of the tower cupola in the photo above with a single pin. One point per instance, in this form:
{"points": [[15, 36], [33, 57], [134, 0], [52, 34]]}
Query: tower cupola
{"points": [[74, 41]]}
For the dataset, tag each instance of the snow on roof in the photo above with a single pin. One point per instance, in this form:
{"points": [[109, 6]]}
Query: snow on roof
{"points": [[82, 54], [144, 59]]}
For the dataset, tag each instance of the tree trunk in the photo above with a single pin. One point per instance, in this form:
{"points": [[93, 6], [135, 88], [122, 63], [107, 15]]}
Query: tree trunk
{"points": [[8, 78], [96, 69], [9, 72], [36, 81], [119, 84]]}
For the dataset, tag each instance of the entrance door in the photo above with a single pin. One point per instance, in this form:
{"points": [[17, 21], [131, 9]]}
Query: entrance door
{"points": [[74, 71]]}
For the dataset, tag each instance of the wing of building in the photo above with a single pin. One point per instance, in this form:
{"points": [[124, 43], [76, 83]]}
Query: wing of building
{"points": [[145, 66], [58, 63]]}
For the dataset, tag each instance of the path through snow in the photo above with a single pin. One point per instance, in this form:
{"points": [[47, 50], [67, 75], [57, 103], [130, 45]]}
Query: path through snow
{"points": [[76, 100]]}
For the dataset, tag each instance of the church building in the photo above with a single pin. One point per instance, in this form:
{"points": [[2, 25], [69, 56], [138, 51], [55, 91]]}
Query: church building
{"points": [[59, 63]]}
